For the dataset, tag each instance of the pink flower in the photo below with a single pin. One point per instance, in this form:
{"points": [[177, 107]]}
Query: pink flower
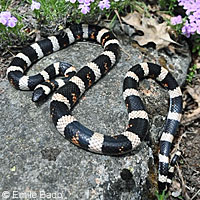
{"points": [[84, 8], [72, 1], [192, 25], [186, 29], [4, 16], [104, 4], [176, 20], [35, 5], [12, 22], [198, 27], [7, 19]]}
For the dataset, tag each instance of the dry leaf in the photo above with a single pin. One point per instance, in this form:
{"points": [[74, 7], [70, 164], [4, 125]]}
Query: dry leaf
{"points": [[153, 31]]}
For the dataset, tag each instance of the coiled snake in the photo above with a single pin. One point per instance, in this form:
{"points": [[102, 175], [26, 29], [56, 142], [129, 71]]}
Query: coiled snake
{"points": [[74, 84]]}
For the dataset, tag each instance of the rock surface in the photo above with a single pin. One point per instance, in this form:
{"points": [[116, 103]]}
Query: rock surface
{"points": [[36, 160]]}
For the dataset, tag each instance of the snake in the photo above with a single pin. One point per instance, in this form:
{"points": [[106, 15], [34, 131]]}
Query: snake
{"points": [[73, 84]]}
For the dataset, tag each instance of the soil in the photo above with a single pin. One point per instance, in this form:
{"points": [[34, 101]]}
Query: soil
{"points": [[188, 178]]}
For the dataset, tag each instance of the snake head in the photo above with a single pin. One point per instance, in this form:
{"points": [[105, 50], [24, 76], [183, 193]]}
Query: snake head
{"points": [[40, 93]]}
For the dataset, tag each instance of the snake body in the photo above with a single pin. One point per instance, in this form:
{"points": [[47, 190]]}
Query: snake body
{"points": [[73, 85]]}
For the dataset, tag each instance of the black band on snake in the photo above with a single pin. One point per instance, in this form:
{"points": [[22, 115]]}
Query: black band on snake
{"points": [[73, 85]]}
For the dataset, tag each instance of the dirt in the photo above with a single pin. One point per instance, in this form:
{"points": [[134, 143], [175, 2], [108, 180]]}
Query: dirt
{"points": [[189, 163]]}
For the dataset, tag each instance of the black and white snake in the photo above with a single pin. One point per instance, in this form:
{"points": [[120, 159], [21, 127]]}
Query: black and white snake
{"points": [[74, 84]]}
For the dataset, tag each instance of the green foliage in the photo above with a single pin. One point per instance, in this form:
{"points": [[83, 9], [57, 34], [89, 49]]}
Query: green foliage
{"points": [[4, 4], [196, 44], [121, 7], [168, 5], [192, 73], [7, 33], [54, 11], [196, 50], [50, 10], [162, 196]]}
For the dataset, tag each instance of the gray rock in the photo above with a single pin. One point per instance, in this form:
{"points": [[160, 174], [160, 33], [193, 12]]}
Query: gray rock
{"points": [[36, 160]]}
